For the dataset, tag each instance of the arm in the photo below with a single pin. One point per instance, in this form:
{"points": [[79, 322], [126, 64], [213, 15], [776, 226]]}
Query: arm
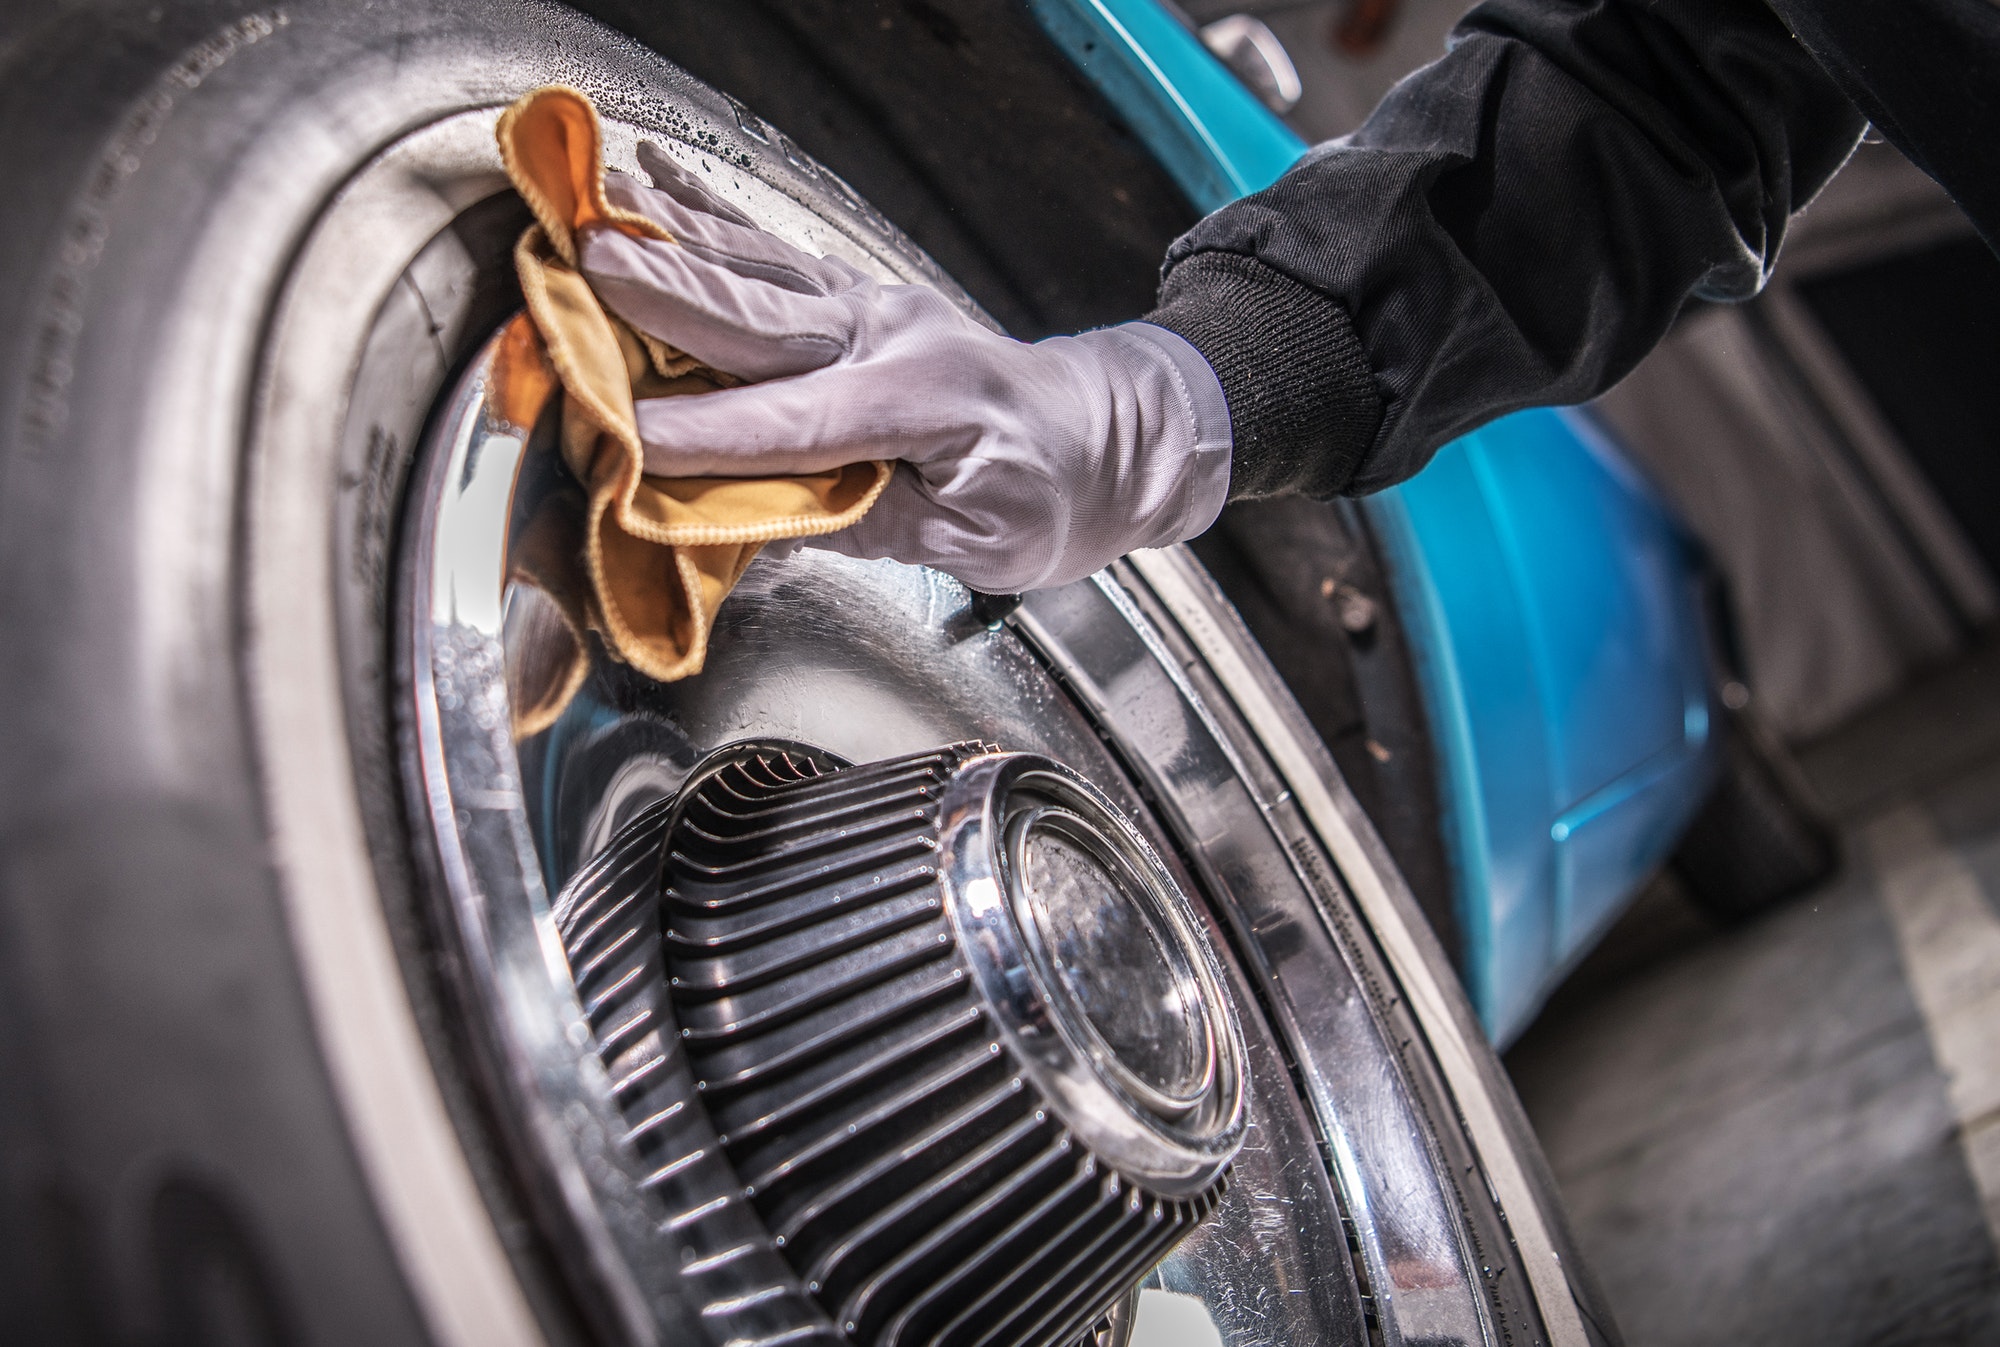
{"points": [[1516, 224], [1937, 100]]}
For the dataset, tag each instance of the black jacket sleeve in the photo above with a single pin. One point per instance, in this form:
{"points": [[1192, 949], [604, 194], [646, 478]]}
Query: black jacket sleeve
{"points": [[1927, 73], [1515, 225]]}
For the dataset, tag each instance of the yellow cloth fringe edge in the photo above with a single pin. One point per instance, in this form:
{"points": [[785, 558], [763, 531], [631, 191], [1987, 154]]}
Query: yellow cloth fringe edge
{"points": [[658, 555]]}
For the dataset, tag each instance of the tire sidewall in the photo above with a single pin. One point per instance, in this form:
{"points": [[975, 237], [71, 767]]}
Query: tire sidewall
{"points": [[203, 889]]}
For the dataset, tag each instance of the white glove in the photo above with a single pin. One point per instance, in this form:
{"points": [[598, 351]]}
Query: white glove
{"points": [[1021, 466]]}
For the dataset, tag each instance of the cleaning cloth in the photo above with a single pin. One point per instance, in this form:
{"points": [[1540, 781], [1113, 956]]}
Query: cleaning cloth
{"points": [[653, 557]]}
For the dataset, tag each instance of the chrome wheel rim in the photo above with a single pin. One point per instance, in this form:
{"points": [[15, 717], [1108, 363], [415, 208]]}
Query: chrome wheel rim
{"points": [[866, 661]]}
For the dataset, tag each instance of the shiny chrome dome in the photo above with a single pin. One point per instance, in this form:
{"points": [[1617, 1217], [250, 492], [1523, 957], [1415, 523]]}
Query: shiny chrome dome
{"points": [[949, 1020]]}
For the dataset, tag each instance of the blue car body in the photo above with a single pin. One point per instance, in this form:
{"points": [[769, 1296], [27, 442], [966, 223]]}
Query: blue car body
{"points": [[1551, 601]]}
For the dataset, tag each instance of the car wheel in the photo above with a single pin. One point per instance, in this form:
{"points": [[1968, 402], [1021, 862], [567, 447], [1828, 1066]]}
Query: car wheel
{"points": [[319, 1016]]}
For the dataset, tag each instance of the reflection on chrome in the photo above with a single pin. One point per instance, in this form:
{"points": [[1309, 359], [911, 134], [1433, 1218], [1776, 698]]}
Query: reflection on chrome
{"points": [[864, 661], [1262, 1026]]}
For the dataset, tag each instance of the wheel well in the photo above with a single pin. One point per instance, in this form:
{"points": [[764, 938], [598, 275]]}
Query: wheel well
{"points": [[940, 113]]}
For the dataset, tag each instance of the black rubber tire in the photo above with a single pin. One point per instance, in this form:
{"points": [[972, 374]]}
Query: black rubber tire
{"points": [[188, 1157], [1761, 837], [193, 1143]]}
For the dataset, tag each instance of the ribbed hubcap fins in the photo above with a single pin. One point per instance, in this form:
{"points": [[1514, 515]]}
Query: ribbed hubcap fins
{"points": [[958, 1032]]}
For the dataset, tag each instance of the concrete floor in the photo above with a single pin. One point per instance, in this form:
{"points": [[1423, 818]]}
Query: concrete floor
{"points": [[1789, 1133]]}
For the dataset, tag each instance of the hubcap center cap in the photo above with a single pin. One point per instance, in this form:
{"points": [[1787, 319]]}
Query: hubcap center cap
{"points": [[1112, 954]]}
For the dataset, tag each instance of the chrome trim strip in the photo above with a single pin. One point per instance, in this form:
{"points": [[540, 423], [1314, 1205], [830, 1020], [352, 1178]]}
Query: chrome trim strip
{"points": [[1205, 620], [466, 775], [1263, 874]]}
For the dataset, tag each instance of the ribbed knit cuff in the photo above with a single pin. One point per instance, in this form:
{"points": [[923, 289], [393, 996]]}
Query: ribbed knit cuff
{"points": [[1303, 408], [1206, 466]]}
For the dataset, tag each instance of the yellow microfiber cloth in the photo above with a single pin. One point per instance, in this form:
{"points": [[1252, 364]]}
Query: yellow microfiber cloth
{"points": [[657, 555]]}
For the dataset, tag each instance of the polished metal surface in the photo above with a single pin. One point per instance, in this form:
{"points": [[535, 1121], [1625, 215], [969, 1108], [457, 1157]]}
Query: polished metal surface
{"points": [[1176, 1135], [832, 969], [1347, 1138], [465, 779], [870, 660], [1524, 1202], [608, 918], [1266, 873], [1122, 969], [560, 1101], [866, 659]]}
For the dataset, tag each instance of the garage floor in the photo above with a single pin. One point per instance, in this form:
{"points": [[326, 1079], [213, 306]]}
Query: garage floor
{"points": [[1790, 1133]]}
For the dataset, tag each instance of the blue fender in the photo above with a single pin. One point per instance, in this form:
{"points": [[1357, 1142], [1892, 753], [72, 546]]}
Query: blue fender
{"points": [[1554, 610]]}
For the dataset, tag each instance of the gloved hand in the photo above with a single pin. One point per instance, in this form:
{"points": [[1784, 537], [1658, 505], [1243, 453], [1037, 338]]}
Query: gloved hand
{"points": [[1021, 466]]}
